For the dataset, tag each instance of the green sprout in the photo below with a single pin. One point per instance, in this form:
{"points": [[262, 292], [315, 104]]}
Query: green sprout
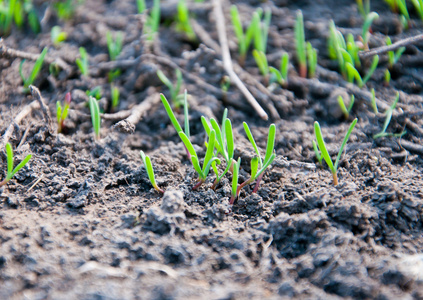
{"points": [[149, 168], [388, 114], [373, 101], [346, 111], [141, 6], [35, 70], [115, 96], [261, 61], [62, 112], [281, 75], [363, 8], [95, 116], [173, 88], [317, 152], [399, 6], [235, 174], [82, 62], [18, 11], [324, 152], [173, 119], [151, 25], [393, 56], [208, 158], [387, 77], [366, 28], [114, 45], [6, 16], [66, 9], [244, 38], [183, 23], [224, 142], [225, 83], [258, 165], [58, 36], [418, 6], [95, 92], [353, 74], [300, 44], [261, 30], [10, 170], [312, 60]]}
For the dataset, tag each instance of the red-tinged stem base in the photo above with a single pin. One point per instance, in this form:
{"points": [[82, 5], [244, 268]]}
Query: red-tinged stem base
{"points": [[159, 189], [256, 187], [303, 70], [199, 183], [335, 179], [3, 182]]}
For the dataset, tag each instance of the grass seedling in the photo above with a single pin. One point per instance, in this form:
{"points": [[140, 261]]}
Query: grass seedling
{"points": [[261, 30], [300, 44], [208, 158], [393, 56], [317, 152], [224, 143], [95, 92], [386, 77], [114, 45], [373, 101], [6, 16], [66, 9], [354, 75], [115, 96], [244, 38], [173, 88], [27, 81], [281, 75], [399, 6], [151, 26], [324, 152], [346, 111], [312, 60], [258, 166], [261, 61], [363, 8], [95, 116], [149, 168], [62, 112], [82, 62], [418, 6], [141, 6], [366, 28], [235, 174], [10, 170], [182, 21], [58, 36], [388, 114]]}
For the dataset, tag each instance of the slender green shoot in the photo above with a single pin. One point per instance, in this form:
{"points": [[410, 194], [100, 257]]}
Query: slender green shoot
{"points": [[261, 30], [363, 8], [261, 61], [388, 114], [149, 168], [82, 62], [151, 26], [312, 60], [324, 152], [354, 75], [27, 81], [10, 170], [373, 101], [366, 28], [62, 112], [114, 45], [235, 174], [115, 96], [58, 36], [66, 9], [208, 159], [173, 88], [346, 111], [281, 75], [183, 23], [300, 44], [317, 153], [95, 116], [393, 56], [418, 6], [244, 38], [141, 6], [387, 77], [95, 92]]}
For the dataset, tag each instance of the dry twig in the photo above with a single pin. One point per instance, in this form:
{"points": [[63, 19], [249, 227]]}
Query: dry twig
{"points": [[394, 46]]}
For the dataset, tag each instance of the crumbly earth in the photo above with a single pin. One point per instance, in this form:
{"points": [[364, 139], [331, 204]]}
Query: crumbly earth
{"points": [[82, 221]]}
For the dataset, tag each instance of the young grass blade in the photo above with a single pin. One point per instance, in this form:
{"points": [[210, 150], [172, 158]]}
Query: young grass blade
{"points": [[219, 138], [141, 6], [353, 74], [388, 117], [186, 116], [234, 192], [239, 33], [59, 114], [366, 26], [36, 69], [187, 143], [229, 139], [170, 113], [150, 171], [372, 69], [342, 106], [300, 44], [163, 78], [317, 152], [312, 60], [209, 151], [322, 146], [266, 164], [252, 141], [21, 165], [374, 105], [261, 62], [95, 116], [9, 157], [270, 142], [344, 142], [350, 106], [284, 66], [254, 168]]}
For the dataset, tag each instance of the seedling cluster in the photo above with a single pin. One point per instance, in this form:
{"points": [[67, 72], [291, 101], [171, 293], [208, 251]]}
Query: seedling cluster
{"points": [[10, 170]]}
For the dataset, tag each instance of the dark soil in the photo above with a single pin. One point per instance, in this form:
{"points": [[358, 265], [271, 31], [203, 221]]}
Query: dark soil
{"points": [[82, 221]]}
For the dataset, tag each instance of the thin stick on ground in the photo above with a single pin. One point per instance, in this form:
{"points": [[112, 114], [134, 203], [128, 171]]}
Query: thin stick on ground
{"points": [[37, 95], [227, 61], [401, 43]]}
